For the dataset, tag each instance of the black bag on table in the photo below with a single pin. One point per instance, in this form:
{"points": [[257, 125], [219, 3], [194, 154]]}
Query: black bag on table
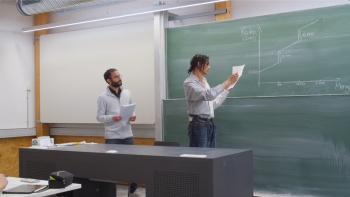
{"points": [[60, 179]]}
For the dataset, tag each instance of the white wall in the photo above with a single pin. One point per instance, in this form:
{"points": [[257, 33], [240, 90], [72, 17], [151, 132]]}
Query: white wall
{"points": [[16, 69]]}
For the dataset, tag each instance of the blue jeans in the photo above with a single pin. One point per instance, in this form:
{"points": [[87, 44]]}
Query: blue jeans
{"points": [[202, 133], [126, 141]]}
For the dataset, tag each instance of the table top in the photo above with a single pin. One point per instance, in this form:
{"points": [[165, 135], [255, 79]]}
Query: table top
{"points": [[162, 151], [13, 182]]}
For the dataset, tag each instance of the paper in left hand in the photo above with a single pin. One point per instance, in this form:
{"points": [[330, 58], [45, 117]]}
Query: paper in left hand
{"points": [[126, 111], [239, 70]]}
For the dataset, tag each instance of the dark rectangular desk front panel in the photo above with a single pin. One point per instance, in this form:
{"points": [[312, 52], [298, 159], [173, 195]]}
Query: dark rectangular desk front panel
{"points": [[225, 172]]}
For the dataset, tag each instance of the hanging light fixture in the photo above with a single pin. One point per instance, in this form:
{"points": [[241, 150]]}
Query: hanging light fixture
{"points": [[147, 10]]}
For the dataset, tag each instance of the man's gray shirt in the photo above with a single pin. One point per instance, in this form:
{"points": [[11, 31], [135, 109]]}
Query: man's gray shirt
{"points": [[107, 106], [202, 101]]}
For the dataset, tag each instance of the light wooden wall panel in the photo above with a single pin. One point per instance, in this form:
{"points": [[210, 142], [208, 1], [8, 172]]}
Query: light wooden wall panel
{"points": [[9, 151]]}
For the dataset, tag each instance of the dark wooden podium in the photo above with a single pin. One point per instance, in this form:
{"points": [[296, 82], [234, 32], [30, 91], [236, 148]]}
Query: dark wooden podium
{"points": [[224, 172]]}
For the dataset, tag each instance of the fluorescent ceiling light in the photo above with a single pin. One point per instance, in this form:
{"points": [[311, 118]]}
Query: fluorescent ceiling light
{"points": [[120, 15]]}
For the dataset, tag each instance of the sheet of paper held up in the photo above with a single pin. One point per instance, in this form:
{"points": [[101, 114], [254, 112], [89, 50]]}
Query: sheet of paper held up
{"points": [[239, 70], [126, 111]]}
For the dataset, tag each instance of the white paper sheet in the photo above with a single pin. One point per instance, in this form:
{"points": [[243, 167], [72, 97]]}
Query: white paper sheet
{"points": [[126, 111], [193, 155], [239, 70]]}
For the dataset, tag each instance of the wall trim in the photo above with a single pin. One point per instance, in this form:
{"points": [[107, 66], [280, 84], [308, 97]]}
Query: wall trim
{"points": [[139, 131], [10, 133]]}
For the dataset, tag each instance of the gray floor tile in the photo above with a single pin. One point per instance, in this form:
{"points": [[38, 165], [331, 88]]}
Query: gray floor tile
{"points": [[122, 191]]}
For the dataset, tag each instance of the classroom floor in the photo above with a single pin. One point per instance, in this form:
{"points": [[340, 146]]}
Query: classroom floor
{"points": [[122, 191]]}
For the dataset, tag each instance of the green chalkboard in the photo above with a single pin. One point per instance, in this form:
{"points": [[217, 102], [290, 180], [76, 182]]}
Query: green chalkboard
{"points": [[297, 53], [291, 105], [300, 144]]}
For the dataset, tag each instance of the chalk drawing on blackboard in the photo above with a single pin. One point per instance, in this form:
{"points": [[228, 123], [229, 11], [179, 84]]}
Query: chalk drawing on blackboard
{"points": [[249, 34], [283, 56], [340, 86]]}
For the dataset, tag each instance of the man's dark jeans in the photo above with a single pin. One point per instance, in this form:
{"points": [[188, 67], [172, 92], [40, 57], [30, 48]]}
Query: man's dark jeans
{"points": [[202, 133]]}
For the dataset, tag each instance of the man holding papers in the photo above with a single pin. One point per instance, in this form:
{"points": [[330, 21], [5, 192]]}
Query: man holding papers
{"points": [[202, 100], [114, 101]]}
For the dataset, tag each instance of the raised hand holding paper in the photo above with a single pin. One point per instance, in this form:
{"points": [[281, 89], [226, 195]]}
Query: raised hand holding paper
{"points": [[239, 70]]}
